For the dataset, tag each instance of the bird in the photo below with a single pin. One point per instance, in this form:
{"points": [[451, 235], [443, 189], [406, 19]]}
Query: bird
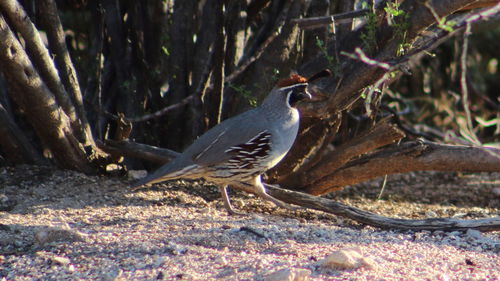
{"points": [[237, 151]]}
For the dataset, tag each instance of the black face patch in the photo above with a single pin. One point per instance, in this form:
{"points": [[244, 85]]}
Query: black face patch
{"points": [[296, 94]]}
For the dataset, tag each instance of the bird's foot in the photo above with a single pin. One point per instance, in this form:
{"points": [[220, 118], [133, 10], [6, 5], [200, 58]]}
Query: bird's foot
{"points": [[227, 204]]}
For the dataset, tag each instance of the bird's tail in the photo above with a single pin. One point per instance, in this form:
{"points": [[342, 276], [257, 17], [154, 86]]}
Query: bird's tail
{"points": [[167, 172]]}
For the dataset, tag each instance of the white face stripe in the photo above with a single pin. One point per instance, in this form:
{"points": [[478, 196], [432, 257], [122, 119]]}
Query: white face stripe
{"points": [[293, 86]]}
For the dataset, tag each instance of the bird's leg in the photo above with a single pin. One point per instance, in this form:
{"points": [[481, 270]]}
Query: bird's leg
{"points": [[263, 194], [259, 189], [227, 203]]}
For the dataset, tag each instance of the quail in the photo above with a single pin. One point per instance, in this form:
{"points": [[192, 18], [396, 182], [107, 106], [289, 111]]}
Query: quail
{"points": [[237, 151]]}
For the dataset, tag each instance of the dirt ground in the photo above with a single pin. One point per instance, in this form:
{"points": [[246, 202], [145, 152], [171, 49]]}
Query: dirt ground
{"points": [[63, 225]]}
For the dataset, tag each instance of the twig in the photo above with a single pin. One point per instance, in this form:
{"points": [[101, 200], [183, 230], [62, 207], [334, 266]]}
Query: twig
{"points": [[382, 188], [147, 117], [253, 231], [163, 111], [361, 56], [433, 12], [463, 82], [318, 22]]}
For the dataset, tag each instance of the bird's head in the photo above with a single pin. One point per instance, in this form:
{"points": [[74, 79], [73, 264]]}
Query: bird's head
{"points": [[294, 88]]}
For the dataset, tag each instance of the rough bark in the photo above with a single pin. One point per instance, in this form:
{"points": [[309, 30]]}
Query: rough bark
{"points": [[381, 134], [67, 73], [44, 64], [42, 110], [15, 146], [408, 157]]}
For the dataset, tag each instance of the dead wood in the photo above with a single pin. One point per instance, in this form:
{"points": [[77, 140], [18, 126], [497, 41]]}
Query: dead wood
{"points": [[410, 156], [339, 209], [160, 155]]}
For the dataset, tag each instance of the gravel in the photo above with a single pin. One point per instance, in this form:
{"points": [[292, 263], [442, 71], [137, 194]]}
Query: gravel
{"points": [[180, 231]]}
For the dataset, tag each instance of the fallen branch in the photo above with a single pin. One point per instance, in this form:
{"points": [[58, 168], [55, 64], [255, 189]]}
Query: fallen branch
{"points": [[339, 209], [323, 204]]}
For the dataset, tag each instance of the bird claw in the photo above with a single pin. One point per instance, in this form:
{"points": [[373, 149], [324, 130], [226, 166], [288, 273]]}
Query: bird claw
{"points": [[227, 204], [232, 212]]}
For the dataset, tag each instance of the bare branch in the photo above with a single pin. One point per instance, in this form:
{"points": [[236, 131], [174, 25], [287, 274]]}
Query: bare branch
{"points": [[382, 134], [318, 22], [160, 112], [463, 84], [361, 56], [147, 117]]}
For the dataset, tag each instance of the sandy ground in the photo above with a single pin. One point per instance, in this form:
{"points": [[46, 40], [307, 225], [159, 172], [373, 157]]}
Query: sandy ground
{"points": [[62, 225]]}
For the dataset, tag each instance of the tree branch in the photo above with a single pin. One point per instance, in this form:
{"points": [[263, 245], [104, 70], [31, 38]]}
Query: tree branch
{"points": [[382, 134], [57, 42], [317, 22], [408, 157]]}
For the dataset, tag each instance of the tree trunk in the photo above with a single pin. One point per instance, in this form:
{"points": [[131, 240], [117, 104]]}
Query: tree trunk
{"points": [[39, 105]]}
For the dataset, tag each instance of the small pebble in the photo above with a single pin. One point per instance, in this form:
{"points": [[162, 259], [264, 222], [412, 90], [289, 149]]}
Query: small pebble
{"points": [[58, 234], [349, 258], [289, 274]]}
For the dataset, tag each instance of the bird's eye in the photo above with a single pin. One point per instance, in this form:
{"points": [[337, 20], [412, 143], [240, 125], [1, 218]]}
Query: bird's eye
{"points": [[296, 94]]}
